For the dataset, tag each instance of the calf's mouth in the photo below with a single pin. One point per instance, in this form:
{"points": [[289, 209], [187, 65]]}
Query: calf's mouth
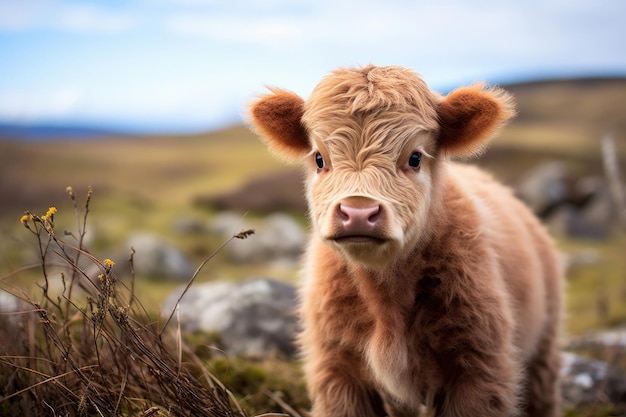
{"points": [[358, 239]]}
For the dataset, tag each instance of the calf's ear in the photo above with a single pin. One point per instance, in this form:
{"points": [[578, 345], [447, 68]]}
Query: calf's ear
{"points": [[277, 117], [470, 116]]}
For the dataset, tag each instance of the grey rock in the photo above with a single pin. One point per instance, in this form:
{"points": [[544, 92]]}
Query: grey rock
{"points": [[588, 382], [282, 238], [155, 258], [188, 226], [226, 223], [568, 220], [570, 205], [544, 186], [8, 302], [255, 317], [595, 220], [598, 216], [278, 238]]}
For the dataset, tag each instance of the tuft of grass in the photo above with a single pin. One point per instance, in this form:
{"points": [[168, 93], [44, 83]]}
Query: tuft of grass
{"points": [[599, 411], [596, 292], [260, 384], [94, 349]]}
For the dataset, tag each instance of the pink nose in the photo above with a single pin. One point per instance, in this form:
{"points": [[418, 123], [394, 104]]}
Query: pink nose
{"points": [[359, 218]]}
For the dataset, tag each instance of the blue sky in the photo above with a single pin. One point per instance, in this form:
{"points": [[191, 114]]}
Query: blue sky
{"points": [[193, 64]]}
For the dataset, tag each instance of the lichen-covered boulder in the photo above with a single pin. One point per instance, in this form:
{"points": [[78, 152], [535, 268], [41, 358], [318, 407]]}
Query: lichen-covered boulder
{"points": [[255, 317]]}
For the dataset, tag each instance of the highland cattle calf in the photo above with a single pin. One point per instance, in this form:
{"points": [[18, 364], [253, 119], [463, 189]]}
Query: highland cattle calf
{"points": [[427, 284]]}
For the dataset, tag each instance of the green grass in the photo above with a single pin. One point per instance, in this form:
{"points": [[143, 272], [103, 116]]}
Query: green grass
{"points": [[596, 293]]}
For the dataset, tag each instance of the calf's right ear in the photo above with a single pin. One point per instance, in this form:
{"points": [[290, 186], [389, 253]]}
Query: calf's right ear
{"points": [[277, 117]]}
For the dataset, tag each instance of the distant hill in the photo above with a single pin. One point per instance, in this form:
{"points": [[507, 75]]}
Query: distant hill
{"points": [[54, 132], [580, 101]]}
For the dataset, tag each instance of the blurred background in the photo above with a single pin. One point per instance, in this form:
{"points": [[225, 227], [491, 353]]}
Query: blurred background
{"points": [[144, 101]]}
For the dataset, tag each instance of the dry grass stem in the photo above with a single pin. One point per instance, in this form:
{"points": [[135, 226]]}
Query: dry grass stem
{"points": [[102, 355]]}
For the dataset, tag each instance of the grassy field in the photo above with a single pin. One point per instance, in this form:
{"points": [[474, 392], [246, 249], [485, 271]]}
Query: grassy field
{"points": [[162, 170], [148, 183]]}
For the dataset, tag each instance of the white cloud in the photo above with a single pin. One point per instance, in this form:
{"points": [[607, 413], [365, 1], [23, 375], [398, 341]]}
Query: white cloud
{"points": [[59, 15], [20, 15], [59, 103], [372, 28], [90, 19], [245, 30]]}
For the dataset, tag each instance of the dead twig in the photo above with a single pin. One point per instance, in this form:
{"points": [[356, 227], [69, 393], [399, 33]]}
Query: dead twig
{"points": [[614, 177]]}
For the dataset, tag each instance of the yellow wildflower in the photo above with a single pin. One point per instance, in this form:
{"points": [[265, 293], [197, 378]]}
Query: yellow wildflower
{"points": [[108, 264], [26, 218], [48, 216]]}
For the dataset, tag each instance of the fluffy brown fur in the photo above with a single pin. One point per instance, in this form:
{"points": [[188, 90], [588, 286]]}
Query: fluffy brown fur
{"points": [[428, 288]]}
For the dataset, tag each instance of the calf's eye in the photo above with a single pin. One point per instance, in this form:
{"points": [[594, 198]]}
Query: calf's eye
{"points": [[319, 160], [415, 159]]}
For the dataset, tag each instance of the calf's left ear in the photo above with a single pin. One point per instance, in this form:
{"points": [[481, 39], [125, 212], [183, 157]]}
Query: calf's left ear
{"points": [[470, 116], [277, 117]]}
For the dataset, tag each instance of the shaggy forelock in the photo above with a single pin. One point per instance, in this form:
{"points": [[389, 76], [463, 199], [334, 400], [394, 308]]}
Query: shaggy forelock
{"points": [[352, 91], [369, 141]]}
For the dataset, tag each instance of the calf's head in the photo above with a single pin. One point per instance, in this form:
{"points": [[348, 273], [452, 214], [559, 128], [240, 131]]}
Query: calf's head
{"points": [[372, 141]]}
